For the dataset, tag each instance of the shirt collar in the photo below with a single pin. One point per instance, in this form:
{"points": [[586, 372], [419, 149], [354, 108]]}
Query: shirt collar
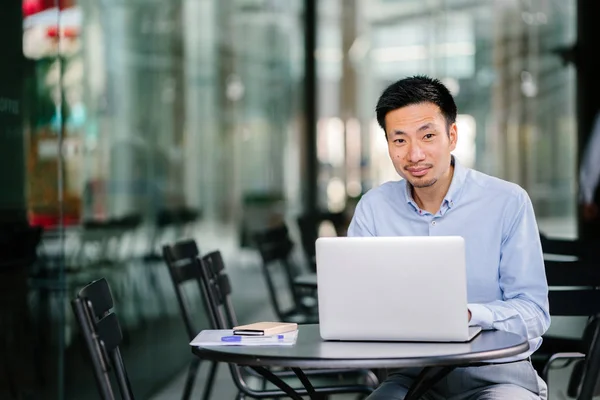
{"points": [[458, 179]]}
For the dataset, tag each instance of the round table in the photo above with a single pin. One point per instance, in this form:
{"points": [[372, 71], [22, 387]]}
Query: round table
{"points": [[310, 351]]}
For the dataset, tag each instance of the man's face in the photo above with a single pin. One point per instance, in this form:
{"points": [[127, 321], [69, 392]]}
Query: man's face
{"points": [[420, 143]]}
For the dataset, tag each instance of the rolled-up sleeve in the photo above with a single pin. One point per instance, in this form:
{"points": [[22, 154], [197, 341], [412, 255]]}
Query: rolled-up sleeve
{"points": [[522, 277]]}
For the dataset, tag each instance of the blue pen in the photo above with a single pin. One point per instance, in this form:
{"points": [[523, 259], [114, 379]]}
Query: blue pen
{"points": [[238, 338]]}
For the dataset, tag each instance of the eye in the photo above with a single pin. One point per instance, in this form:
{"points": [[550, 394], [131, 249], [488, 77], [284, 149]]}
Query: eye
{"points": [[429, 136], [399, 141]]}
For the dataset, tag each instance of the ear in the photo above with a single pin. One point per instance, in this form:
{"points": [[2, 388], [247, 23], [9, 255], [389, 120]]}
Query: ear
{"points": [[453, 136]]}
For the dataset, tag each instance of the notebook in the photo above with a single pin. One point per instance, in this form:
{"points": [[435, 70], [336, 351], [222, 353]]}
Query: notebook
{"points": [[264, 328]]}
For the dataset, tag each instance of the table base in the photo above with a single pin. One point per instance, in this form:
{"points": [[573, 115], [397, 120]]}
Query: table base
{"points": [[423, 382]]}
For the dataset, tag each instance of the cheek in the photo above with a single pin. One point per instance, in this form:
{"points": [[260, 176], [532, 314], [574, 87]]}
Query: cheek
{"points": [[396, 155]]}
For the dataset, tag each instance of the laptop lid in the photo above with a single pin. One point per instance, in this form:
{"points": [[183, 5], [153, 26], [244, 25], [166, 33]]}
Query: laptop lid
{"points": [[392, 288]]}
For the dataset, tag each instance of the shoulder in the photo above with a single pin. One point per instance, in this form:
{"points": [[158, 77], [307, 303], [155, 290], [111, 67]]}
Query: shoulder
{"points": [[384, 192], [496, 188]]}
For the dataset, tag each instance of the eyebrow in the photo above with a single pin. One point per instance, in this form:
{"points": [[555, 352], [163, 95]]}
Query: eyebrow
{"points": [[422, 128]]}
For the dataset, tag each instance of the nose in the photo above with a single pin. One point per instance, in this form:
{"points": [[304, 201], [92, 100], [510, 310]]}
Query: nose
{"points": [[415, 153]]}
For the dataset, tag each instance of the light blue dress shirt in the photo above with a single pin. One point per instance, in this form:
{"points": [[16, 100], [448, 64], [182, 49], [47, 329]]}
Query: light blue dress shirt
{"points": [[506, 281]]}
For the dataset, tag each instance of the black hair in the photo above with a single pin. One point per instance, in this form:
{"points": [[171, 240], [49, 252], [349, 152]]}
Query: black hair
{"points": [[416, 90]]}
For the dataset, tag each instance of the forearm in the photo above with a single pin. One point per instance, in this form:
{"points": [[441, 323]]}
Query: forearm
{"points": [[518, 315]]}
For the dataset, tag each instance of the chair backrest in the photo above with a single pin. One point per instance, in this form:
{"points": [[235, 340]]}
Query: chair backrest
{"points": [[275, 248], [309, 230], [217, 290], [183, 264], [565, 247], [102, 335], [573, 288], [590, 385], [583, 249]]}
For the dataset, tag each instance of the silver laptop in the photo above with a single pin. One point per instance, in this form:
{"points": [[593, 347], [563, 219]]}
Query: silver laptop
{"points": [[393, 289]]}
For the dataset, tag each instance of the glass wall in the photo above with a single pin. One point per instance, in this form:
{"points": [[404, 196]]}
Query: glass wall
{"points": [[516, 97], [144, 122]]}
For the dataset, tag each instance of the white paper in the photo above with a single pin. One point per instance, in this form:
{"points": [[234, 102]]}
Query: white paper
{"points": [[225, 337]]}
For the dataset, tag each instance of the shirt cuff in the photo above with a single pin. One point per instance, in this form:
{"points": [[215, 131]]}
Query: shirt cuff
{"points": [[481, 316]]}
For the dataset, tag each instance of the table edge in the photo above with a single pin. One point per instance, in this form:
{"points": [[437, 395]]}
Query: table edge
{"points": [[212, 354]]}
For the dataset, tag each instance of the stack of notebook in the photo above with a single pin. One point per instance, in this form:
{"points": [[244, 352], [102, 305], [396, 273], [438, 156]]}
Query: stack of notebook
{"points": [[257, 334]]}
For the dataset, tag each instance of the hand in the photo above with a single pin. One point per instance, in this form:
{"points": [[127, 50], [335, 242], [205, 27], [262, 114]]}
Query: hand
{"points": [[469, 311], [590, 211]]}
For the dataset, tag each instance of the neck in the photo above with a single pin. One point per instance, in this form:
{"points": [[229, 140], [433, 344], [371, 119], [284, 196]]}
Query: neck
{"points": [[430, 198]]}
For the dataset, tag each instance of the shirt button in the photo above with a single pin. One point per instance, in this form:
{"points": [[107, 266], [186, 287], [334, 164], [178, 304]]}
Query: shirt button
{"points": [[433, 223]]}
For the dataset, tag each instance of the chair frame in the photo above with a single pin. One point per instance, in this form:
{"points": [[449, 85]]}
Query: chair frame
{"points": [[573, 292], [102, 336], [183, 265], [275, 246], [309, 224], [584, 383]]}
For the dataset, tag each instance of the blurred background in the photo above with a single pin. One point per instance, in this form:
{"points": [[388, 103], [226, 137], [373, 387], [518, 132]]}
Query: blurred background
{"points": [[128, 124]]}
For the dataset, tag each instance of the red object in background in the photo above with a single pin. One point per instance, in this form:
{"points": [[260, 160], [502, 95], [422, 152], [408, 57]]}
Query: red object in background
{"points": [[50, 221], [52, 31], [31, 7], [68, 32]]}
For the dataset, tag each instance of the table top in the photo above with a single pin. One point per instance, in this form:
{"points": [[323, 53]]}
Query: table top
{"points": [[310, 351]]}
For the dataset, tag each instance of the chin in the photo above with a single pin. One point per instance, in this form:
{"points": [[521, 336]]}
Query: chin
{"points": [[422, 183]]}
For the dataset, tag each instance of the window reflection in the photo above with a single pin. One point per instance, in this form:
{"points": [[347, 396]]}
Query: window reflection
{"points": [[515, 96]]}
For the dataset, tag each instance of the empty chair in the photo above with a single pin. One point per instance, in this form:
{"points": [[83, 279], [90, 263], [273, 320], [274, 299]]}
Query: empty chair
{"points": [[182, 262], [584, 383], [102, 336], [568, 267], [276, 250], [217, 294], [309, 231], [572, 292]]}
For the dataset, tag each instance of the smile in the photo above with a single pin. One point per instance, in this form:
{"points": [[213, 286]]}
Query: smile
{"points": [[418, 171]]}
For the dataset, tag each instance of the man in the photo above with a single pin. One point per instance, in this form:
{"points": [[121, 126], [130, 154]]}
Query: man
{"points": [[506, 282]]}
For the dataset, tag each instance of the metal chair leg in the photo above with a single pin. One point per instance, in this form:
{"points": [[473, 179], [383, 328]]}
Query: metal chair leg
{"points": [[209, 382], [191, 377]]}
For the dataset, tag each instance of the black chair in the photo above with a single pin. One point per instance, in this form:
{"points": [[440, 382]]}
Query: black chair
{"points": [[581, 249], [568, 264], [584, 382], [276, 248], [309, 231], [573, 291], [166, 221], [188, 217], [182, 262], [217, 293], [102, 336], [590, 385]]}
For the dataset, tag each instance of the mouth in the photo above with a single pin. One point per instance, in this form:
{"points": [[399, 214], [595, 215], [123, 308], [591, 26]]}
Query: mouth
{"points": [[418, 171]]}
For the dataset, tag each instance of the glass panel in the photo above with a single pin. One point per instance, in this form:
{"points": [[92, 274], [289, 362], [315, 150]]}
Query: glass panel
{"points": [[143, 122], [50, 31], [515, 96]]}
